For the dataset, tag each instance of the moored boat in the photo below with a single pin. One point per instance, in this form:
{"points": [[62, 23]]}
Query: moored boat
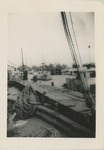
{"points": [[44, 75]]}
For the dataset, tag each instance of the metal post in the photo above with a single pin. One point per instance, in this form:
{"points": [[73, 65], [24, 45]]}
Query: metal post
{"points": [[22, 62], [89, 53]]}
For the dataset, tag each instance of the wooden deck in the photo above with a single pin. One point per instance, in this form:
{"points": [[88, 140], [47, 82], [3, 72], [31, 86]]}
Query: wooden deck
{"points": [[64, 103], [69, 99]]}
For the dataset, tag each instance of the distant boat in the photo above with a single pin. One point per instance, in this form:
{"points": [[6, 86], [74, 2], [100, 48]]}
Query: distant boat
{"points": [[44, 75]]}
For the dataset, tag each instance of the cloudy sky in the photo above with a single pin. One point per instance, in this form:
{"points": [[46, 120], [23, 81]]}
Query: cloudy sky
{"points": [[42, 35]]}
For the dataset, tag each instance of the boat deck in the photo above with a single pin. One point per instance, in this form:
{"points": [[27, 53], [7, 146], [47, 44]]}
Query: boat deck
{"points": [[70, 99], [69, 104]]}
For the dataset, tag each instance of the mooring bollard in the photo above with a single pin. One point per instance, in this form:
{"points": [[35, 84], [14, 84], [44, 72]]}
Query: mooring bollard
{"points": [[52, 83]]}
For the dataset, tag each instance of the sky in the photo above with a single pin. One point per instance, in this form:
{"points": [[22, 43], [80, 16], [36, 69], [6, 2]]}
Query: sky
{"points": [[41, 37]]}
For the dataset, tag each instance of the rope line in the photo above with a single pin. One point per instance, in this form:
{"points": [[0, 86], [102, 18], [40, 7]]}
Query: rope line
{"points": [[76, 61]]}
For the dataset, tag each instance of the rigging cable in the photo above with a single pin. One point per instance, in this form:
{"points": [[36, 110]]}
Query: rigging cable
{"points": [[65, 29], [80, 56], [73, 53], [80, 61], [75, 37], [70, 42]]}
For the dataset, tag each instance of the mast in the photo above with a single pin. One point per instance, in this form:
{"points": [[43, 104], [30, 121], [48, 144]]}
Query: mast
{"points": [[89, 53], [43, 63], [22, 60]]}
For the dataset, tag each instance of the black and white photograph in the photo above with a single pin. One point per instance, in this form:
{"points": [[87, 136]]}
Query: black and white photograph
{"points": [[51, 75]]}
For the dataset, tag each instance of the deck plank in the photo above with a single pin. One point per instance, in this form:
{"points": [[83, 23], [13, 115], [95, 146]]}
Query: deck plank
{"points": [[77, 104]]}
